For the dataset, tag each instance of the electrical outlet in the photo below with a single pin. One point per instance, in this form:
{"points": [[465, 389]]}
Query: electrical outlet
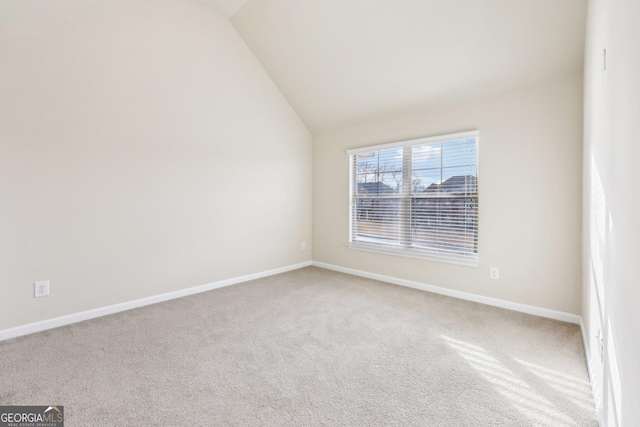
{"points": [[494, 273], [41, 289], [304, 246]]}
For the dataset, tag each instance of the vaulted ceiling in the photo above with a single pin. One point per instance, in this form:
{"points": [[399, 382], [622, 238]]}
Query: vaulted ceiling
{"points": [[344, 61], [225, 7]]}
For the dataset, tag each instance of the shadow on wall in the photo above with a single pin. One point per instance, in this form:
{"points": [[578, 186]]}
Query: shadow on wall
{"points": [[603, 363]]}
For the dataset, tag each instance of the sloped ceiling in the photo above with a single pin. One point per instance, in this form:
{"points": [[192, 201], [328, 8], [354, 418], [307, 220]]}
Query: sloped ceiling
{"points": [[11, 10], [343, 61], [16, 10], [225, 7]]}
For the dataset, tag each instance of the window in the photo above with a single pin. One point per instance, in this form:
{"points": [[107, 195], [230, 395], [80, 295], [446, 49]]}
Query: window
{"points": [[417, 198]]}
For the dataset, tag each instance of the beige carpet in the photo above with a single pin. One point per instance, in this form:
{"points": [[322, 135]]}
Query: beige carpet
{"points": [[306, 348]]}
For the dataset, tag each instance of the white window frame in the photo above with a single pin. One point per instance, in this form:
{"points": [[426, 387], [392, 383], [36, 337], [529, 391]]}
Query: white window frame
{"points": [[406, 251]]}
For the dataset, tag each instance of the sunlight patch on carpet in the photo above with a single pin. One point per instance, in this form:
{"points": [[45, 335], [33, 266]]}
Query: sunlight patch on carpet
{"points": [[518, 393]]}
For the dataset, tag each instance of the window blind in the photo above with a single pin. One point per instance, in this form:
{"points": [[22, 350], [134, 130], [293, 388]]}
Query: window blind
{"points": [[417, 197]]}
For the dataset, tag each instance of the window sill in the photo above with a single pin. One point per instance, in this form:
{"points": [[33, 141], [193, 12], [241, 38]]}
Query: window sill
{"points": [[407, 254]]}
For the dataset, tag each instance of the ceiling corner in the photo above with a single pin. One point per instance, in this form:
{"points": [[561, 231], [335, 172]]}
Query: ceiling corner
{"points": [[226, 7]]}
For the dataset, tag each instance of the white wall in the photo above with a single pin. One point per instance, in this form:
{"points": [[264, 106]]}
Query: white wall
{"points": [[611, 206], [143, 149], [530, 202]]}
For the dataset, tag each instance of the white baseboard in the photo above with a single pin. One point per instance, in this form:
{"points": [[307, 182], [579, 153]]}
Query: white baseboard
{"points": [[30, 328], [103, 311], [592, 378], [529, 309]]}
